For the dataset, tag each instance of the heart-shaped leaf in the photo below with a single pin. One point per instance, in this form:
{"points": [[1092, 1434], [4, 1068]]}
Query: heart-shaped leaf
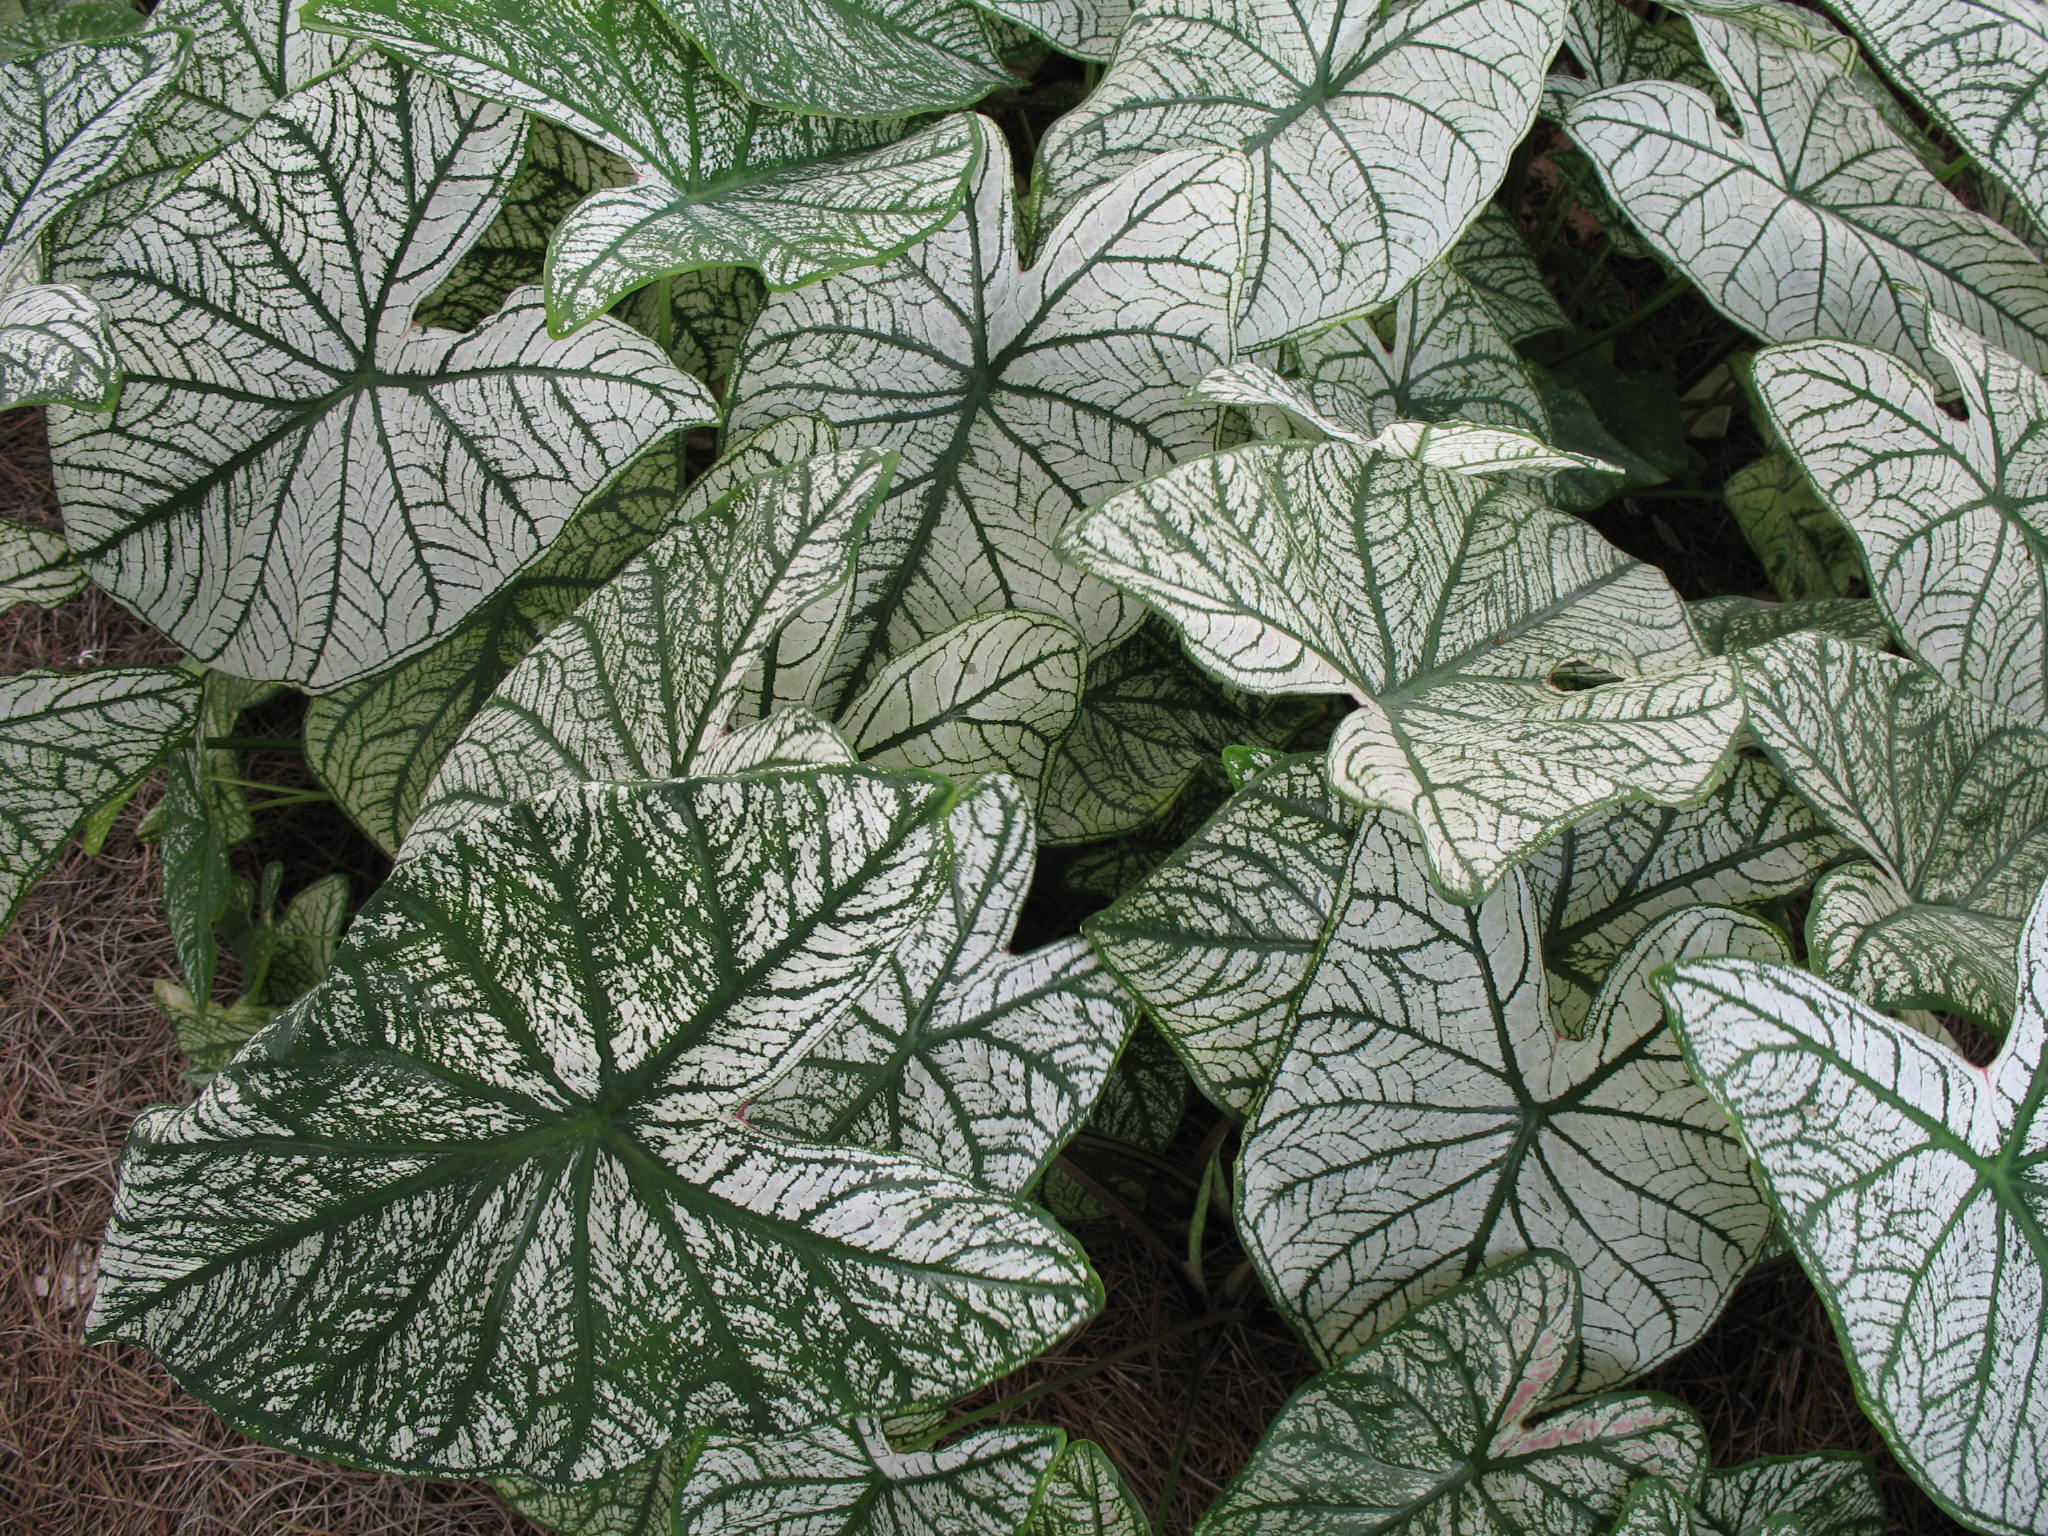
{"points": [[1016, 397], [717, 179], [1086, 1496], [1427, 1117], [1804, 222], [1952, 516], [483, 1201], [1321, 100], [297, 484], [1427, 1428], [1445, 605], [1911, 1184], [1947, 795]]}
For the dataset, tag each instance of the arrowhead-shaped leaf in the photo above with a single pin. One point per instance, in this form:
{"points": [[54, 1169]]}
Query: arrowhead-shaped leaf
{"points": [[1087, 1496], [70, 743], [1427, 1428], [1805, 222], [1445, 605], [483, 1202], [1912, 1187], [718, 180], [1320, 99], [1952, 516], [298, 485], [645, 677], [1947, 795], [1016, 397]]}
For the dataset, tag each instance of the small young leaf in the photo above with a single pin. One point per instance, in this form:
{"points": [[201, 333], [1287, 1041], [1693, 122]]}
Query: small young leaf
{"points": [[1086, 1496], [1832, 1494], [1806, 550]]}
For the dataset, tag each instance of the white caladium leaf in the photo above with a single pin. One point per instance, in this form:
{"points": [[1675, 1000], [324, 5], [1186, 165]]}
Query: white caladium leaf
{"points": [[1218, 940], [1601, 883], [1087, 1496], [1445, 605], [1616, 46], [1730, 624], [1806, 550], [55, 349], [1803, 223], [1951, 516], [1834, 1493], [789, 738], [1084, 29], [1656, 1506], [1428, 1117], [1319, 99], [717, 181], [36, 567], [1911, 1186], [1495, 260], [69, 744], [1979, 67], [380, 482], [1016, 397], [1946, 794], [997, 694], [848, 58], [1427, 1429], [1472, 449], [644, 678], [484, 1201], [960, 1053]]}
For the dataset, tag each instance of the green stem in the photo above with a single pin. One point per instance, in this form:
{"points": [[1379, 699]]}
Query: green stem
{"points": [[1671, 292], [1178, 1463], [255, 743], [1953, 169]]}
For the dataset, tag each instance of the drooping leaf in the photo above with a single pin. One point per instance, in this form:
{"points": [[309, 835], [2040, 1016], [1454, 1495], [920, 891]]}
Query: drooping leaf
{"points": [[1951, 516], [1016, 397], [1427, 1117], [717, 181], [960, 1053], [1948, 797], [1911, 1186], [1086, 1496], [1427, 1428], [1444, 604], [1321, 100], [36, 567], [379, 483], [70, 743], [1831, 1494], [483, 1201], [997, 694], [645, 677], [1803, 223], [1807, 552]]}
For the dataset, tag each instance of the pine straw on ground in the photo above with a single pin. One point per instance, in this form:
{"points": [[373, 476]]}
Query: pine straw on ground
{"points": [[100, 1442]]}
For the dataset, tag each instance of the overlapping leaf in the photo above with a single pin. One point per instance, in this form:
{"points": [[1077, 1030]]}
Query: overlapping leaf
{"points": [[1427, 1428], [36, 567], [1085, 29], [1015, 397], [1086, 1496], [643, 679], [1911, 1184], [1445, 605], [484, 1201], [1947, 795], [1831, 1494], [297, 485], [960, 1053], [1427, 1117], [718, 180], [1376, 132], [1803, 223], [70, 743], [1952, 516], [1806, 551]]}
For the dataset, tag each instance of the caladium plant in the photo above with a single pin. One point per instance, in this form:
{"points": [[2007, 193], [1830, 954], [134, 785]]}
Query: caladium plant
{"points": [[1436, 608]]}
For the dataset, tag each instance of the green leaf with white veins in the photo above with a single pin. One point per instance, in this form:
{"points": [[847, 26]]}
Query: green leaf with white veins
{"points": [[1495, 260], [1831, 1494], [1321, 99], [1427, 1117], [1912, 1186], [1952, 516], [718, 181], [71, 742], [960, 1053], [36, 567], [1444, 604], [1805, 549], [1426, 1429], [484, 1201], [1087, 1496], [1948, 797], [644, 678], [1016, 397], [1804, 223], [377, 483]]}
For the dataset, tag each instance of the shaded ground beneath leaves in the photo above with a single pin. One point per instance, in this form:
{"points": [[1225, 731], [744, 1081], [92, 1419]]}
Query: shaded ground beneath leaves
{"points": [[100, 1442]]}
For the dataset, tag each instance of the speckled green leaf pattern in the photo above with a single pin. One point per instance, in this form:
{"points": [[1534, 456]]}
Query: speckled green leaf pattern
{"points": [[1834, 1493], [1087, 1496], [36, 567]]}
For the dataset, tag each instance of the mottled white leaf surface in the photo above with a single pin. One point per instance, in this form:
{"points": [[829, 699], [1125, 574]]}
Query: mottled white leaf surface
{"points": [[1912, 1187], [485, 1200], [1427, 1429], [1833, 1493], [55, 349], [1806, 550], [1085, 29], [1375, 132], [1087, 1496], [36, 567]]}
